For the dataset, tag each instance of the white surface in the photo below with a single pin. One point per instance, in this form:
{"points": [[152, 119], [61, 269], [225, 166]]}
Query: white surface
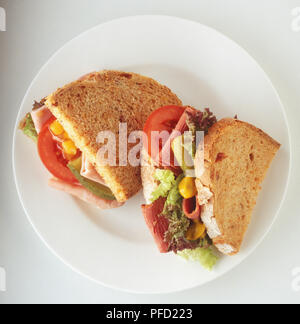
{"points": [[114, 247], [263, 28]]}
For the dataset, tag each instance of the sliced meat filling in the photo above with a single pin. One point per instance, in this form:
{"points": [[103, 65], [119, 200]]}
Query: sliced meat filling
{"points": [[80, 192]]}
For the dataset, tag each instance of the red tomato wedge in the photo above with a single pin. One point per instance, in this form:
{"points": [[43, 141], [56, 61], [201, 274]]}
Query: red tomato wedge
{"points": [[52, 156], [162, 119]]}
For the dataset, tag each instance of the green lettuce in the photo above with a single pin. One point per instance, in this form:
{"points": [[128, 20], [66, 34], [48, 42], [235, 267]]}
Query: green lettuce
{"points": [[174, 198], [167, 181], [178, 225], [29, 128], [178, 222], [205, 257]]}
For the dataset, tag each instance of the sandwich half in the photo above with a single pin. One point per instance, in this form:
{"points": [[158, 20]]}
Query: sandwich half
{"points": [[66, 125], [195, 209]]}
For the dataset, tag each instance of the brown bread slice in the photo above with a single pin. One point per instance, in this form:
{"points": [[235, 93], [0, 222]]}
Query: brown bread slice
{"points": [[237, 158], [99, 102]]}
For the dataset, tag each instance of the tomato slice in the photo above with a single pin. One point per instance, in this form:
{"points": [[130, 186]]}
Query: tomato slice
{"points": [[162, 119], [52, 156]]}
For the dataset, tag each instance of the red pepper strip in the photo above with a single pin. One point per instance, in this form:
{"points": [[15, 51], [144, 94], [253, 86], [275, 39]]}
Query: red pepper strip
{"points": [[191, 208]]}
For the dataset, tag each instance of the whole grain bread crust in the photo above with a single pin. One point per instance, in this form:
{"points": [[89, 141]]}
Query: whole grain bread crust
{"points": [[99, 102]]}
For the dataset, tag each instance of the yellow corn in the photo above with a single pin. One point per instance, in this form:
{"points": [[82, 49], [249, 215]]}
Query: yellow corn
{"points": [[56, 128], [196, 231], [65, 136], [69, 147], [187, 188]]}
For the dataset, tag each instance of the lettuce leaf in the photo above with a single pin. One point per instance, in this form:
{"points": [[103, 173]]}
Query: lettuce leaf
{"points": [[178, 225], [205, 257], [202, 121], [167, 181], [174, 198], [29, 128], [178, 222]]}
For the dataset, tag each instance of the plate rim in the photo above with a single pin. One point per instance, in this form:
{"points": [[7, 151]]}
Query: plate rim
{"points": [[267, 78]]}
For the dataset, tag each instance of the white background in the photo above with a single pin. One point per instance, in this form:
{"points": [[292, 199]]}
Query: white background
{"points": [[35, 30]]}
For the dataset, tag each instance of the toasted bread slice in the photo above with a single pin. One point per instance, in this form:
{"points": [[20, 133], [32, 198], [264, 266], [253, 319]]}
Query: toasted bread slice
{"points": [[99, 102], [237, 158]]}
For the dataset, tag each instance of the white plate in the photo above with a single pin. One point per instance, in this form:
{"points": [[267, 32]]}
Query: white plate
{"points": [[205, 69]]}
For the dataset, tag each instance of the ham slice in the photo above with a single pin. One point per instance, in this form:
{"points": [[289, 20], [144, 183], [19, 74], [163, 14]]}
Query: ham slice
{"points": [[157, 223], [80, 192], [88, 171], [40, 117]]}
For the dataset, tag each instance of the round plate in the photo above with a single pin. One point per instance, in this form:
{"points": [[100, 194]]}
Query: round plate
{"points": [[205, 69]]}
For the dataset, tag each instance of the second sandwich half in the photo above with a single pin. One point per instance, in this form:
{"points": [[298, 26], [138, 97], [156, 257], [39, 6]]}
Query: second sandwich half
{"points": [[66, 125]]}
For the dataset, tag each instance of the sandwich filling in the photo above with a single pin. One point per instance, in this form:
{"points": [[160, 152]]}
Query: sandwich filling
{"points": [[179, 211], [72, 171]]}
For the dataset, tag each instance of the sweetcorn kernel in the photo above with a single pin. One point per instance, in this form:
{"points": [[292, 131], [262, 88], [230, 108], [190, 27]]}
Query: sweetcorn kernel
{"points": [[65, 136], [196, 231], [69, 147], [187, 188], [56, 128]]}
